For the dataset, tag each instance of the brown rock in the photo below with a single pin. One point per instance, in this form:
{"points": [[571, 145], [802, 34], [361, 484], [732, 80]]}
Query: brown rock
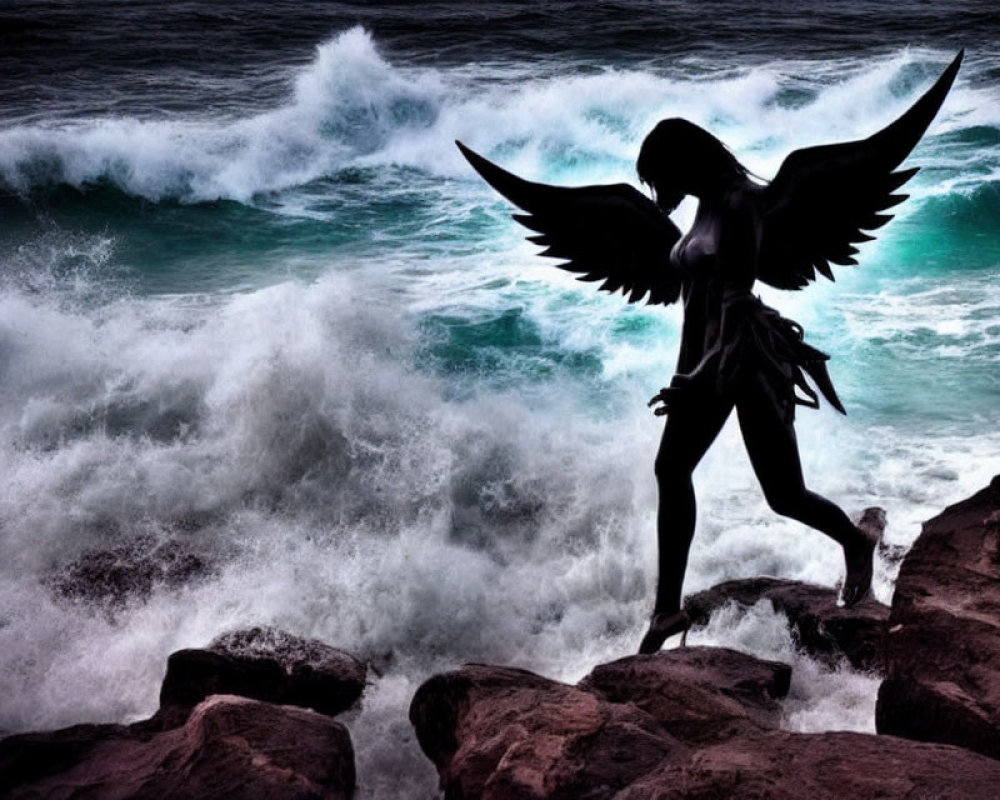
{"points": [[111, 579], [822, 766], [818, 625], [943, 646], [699, 694], [229, 747], [625, 732], [266, 664], [502, 734]]}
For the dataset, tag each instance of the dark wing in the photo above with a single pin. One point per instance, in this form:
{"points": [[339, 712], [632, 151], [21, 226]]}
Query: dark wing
{"points": [[823, 198], [613, 234]]}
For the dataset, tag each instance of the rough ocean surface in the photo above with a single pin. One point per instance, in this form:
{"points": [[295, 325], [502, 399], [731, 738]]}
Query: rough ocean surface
{"points": [[271, 354], [705, 721], [688, 722]]}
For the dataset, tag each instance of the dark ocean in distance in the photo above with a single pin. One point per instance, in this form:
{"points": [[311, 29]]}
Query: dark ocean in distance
{"points": [[255, 305]]}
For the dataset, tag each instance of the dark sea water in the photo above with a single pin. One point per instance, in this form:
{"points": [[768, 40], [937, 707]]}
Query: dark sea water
{"points": [[254, 303]]}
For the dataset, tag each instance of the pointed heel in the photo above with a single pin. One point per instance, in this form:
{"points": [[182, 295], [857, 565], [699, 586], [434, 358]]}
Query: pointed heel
{"points": [[661, 628]]}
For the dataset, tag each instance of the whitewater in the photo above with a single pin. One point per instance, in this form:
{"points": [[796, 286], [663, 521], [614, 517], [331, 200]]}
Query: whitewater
{"points": [[301, 338]]}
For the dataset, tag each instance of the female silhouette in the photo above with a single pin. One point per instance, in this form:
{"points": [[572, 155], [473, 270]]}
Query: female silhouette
{"points": [[735, 352]]}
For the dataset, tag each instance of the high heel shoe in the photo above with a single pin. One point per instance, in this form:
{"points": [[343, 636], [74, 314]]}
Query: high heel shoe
{"points": [[661, 628]]}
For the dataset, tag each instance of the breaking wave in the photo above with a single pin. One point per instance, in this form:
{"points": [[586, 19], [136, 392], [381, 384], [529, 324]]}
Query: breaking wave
{"points": [[351, 107]]}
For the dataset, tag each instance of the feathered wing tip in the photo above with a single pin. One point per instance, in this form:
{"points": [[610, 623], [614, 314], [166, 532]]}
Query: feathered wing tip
{"points": [[612, 234], [824, 198], [896, 140], [522, 193]]}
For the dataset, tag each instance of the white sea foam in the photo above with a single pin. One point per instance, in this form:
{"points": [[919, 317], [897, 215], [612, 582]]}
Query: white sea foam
{"points": [[959, 315], [342, 495], [350, 107], [339, 491], [821, 697], [345, 104]]}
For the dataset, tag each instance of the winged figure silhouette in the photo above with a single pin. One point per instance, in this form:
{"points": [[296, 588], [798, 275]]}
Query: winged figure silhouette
{"points": [[735, 352]]}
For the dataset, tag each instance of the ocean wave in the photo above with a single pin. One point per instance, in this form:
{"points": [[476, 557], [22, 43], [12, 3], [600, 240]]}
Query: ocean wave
{"points": [[351, 107], [339, 492], [939, 318], [345, 104]]}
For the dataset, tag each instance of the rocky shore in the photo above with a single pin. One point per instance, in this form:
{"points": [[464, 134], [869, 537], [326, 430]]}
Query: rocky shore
{"points": [[250, 716], [253, 714]]}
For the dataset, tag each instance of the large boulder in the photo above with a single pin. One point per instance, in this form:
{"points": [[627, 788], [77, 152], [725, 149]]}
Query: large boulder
{"points": [[499, 733], [228, 747], [205, 741], [267, 664], [943, 645], [822, 766], [654, 727], [699, 694], [826, 631]]}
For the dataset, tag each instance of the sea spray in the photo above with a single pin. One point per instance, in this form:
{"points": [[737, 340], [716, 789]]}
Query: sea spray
{"points": [[294, 335]]}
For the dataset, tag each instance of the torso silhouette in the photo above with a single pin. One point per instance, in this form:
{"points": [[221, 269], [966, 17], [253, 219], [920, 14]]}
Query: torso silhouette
{"points": [[717, 261]]}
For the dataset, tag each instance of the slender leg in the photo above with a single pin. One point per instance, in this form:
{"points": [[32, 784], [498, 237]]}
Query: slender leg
{"points": [[774, 453], [691, 428], [694, 421]]}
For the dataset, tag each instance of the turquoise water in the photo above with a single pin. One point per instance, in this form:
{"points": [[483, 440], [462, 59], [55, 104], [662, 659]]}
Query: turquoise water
{"points": [[291, 329]]}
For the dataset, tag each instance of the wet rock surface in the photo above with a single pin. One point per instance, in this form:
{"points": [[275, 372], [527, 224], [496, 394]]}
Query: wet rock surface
{"points": [[228, 747], [826, 631], [943, 645], [110, 579], [227, 727], [498, 732], [267, 664], [699, 694], [694, 723], [821, 766]]}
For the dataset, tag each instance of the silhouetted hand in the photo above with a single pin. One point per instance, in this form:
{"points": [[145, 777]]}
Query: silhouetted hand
{"points": [[669, 395]]}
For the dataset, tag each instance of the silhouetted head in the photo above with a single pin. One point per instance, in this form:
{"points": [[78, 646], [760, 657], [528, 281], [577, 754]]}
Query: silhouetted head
{"points": [[678, 158]]}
